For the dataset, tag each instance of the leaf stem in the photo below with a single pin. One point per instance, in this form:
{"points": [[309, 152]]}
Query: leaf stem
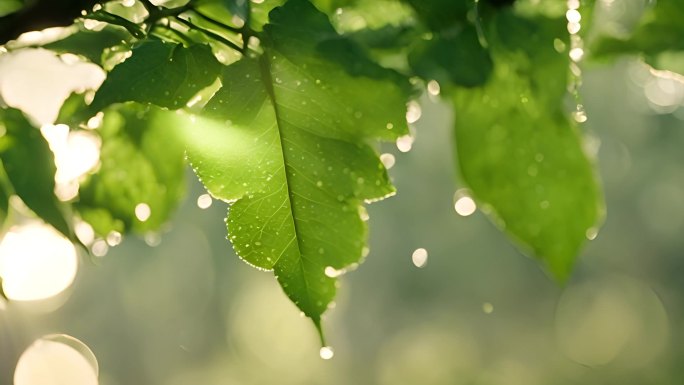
{"points": [[216, 22], [211, 34]]}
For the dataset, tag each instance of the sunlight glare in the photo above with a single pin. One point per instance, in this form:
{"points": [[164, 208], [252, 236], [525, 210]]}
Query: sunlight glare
{"points": [[36, 262], [55, 360]]}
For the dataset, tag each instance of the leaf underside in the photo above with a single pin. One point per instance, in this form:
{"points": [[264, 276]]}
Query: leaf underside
{"points": [[286, 140], [519, 152]]}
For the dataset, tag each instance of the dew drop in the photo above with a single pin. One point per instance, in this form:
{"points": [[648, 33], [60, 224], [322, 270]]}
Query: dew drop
{"points": [[142, 212], [433, 88], [419, 257], [204, 201], [114, 238], [464, 204], [413, 112], [326, 352], [387, 160], [404, 143]]}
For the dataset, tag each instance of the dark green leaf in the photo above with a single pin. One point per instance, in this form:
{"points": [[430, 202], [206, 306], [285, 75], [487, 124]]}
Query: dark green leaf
{"points": [[163, 74], [30, 167], [520, 154], [441, 15], [285, 139], [459, 59], [141, 164]]}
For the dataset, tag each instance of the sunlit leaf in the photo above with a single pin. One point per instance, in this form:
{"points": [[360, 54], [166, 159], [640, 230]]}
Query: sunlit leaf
{"points": [[163, 74], [140, 181], [285, 139], [23, 148], [90, 44], [521, 155]]}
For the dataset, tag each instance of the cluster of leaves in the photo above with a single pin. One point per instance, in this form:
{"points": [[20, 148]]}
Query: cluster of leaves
{"points": [[279, 106]]}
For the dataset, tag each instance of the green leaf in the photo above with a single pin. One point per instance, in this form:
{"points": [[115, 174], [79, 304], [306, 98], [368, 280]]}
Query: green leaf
{"points": [[10, 6], [285, 139], [439, 15], [519, 153], [142, 165], [5, 193], [90, 44], [163, 74], [459, 59], [30, 168]]}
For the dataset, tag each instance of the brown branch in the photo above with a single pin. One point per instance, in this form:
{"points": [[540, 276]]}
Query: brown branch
{"points": [[41, 14]]}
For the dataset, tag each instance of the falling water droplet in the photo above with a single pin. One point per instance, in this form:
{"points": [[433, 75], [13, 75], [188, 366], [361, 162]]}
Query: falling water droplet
{"points": [[142, 212], [204, 201], [419, 257]]}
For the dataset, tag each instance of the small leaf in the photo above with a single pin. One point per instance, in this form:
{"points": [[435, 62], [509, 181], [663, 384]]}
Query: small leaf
{"points": [[140, 181], [90, 44], [520, 154], [163, 74], [285, 140], [30, 168]]}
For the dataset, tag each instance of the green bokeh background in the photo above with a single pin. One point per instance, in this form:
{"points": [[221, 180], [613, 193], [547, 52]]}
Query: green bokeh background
{"points": [[188, 311]]}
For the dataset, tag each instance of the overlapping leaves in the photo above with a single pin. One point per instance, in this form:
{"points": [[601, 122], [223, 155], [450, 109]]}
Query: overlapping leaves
{"points": [[286, 139]]}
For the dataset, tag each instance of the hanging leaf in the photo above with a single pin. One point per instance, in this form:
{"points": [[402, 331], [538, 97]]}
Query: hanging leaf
{"points": [[140, 180], [23, 148], [285, 140], [163, 74], [521, 155]]}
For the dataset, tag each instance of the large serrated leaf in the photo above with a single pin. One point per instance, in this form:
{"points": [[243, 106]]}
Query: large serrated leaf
{"points": [[30, 168], [285, 140], [521, 155], [142, 166], [166, 75]]}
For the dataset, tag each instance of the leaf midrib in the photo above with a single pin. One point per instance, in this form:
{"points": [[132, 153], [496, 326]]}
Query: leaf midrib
{"points": [[267, 79]]}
